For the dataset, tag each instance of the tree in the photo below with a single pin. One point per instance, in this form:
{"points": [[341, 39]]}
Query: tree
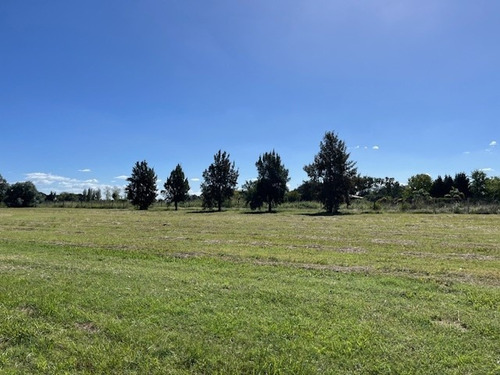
{"points": [[21, 194], [176, 186], [107, 193], [4, 186], [448, 183], [420, 181], [116, 193], [272, 179], [220, 180], [141, 190], [493, 188], [333, 171], [309, 191], [438, 188], [51, 197], [462, 183], [252, 196], [478, 184]]}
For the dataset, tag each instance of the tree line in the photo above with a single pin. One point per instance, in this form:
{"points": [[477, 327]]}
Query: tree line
{"points": [[333, 181]]}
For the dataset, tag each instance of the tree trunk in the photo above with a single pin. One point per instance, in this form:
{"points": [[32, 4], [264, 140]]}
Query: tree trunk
{"points": [[270, 207], [175, 203]]}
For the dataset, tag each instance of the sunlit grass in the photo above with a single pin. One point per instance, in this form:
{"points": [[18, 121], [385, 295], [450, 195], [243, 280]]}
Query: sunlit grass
{"points": [[102, 291]]}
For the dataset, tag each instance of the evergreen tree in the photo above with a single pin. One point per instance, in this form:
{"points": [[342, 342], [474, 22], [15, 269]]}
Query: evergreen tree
{"points": [[141, 190], [462, 183], [333, 171], [438, 188], [272, 179], [448, 183], [220, 180], [176, 186]]}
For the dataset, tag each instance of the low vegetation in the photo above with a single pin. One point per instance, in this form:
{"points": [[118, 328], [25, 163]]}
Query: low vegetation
{"points": [[130, 291]]}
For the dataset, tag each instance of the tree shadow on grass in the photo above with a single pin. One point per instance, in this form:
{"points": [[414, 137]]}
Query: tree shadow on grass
{"points": [[205, 212], [321, 214], [259, 212]]}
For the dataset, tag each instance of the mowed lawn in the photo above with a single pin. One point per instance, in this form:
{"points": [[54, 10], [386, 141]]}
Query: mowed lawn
{"points": [[123, 291]]}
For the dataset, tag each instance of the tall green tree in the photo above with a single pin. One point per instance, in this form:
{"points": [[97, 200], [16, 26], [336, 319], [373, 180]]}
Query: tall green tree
{"points": [[462, 183], [333, 171], [3, 188], [176, 186], [272, 179], [438, 188], [141, 190], [448, 183], [21, 194], [220, 180], [478, 184]]}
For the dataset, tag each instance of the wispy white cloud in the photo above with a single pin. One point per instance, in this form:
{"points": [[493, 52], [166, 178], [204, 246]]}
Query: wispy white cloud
{"points": [[122, 177], [86, 170], [49, 182], [493, 143], [196, 179], [375, 147], [487, 169]]}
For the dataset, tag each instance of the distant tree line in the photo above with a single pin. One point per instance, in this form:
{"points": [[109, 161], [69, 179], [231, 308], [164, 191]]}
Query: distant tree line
{"points": [[477, 187], [333, 181]]}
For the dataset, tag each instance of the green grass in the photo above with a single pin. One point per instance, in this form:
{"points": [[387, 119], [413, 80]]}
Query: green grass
{"points": [[122, 291]]}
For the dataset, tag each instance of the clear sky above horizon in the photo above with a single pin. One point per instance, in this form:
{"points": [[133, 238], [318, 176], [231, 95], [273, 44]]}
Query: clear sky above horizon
{"points": [[88, 88]]}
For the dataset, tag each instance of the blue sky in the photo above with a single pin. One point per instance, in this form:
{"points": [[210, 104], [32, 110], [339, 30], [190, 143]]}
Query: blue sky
{"points": [[88, 88]]}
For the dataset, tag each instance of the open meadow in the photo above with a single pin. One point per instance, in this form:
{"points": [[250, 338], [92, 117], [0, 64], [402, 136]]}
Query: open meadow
{"points": [[294, 292]]}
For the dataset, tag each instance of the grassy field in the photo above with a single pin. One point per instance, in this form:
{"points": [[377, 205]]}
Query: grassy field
{"points": [[123, 291]]}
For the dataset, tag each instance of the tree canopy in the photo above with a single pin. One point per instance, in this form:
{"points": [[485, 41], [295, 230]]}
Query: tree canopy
{"points": [[141, 190], [333, 172], [220, 180], [478, 184], [272, 178], [21, 194], [3, 188], [176, 186]]}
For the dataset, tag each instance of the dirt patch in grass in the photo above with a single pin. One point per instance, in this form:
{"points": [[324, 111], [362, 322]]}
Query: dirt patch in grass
{"points": [[28, 310], [313, 266], [453, 324], [87, 327], [394, 242], [450, 256], [352, 250], [344, 250]]}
